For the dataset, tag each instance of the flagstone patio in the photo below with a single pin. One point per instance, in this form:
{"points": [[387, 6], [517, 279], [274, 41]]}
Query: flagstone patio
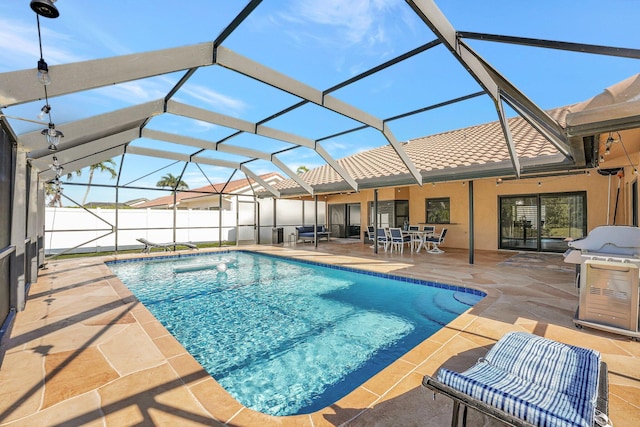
{"points": [[86, 352]]}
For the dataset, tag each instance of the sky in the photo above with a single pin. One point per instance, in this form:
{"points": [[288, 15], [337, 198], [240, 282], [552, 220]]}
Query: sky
{"points": [[320, 43]]}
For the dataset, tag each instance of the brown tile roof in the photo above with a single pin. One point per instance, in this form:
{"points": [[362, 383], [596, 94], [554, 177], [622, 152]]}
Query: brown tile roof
{"points": [[445, 153], [231, 187]]}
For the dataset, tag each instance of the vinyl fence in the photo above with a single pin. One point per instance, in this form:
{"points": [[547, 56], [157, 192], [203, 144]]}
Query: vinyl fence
{"points": [[78, 230]]}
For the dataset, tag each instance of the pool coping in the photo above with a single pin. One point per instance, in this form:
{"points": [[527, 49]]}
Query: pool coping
{"points": [[384, 385], [81, 323]]}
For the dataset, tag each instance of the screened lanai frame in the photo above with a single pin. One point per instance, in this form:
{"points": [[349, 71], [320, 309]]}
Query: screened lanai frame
{"points": [[112, 134], [91, 140]]}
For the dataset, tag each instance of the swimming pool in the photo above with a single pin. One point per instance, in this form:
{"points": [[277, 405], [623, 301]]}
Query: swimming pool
{"points": [[288, 337]]}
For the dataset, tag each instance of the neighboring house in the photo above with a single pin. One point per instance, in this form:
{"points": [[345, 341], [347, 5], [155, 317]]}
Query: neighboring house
{"points": [[551, 202], [128, 204], [135, 202], [212, 197]]}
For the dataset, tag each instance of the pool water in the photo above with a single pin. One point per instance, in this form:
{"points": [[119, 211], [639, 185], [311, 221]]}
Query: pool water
{"points": [[286, 337]]}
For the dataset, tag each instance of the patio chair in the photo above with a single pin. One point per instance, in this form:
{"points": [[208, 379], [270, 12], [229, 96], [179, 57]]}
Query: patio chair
{"points": [[435, 241], [383, 238], [429, 229], [398, 240], [527, 380], [371, 236], [417, 239], [164, 246]]}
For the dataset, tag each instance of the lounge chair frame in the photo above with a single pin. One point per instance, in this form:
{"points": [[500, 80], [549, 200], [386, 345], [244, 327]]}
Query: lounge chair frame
{"points": [[467, 401], [164, 246]]}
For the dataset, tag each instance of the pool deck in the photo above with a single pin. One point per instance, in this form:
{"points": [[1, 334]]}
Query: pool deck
{"points": [[86, 352]]}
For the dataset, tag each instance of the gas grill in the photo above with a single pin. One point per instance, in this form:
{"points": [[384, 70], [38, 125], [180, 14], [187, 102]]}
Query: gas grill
{"points": [[608, 275]]}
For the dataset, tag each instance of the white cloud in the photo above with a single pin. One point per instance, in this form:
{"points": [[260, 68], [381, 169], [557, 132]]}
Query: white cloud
{"points": [[20, 49], [353, 18], [357, 21], [215, 99]]}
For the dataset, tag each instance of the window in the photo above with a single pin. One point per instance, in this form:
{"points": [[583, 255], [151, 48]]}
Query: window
{"points": [[542, 222], [438, 210]]}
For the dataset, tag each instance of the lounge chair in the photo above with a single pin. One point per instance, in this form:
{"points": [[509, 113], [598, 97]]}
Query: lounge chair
{"points": [[164, 246], [527, 380]]}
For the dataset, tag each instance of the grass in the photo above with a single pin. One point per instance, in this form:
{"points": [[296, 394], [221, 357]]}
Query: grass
{"points": [[129, 251]]}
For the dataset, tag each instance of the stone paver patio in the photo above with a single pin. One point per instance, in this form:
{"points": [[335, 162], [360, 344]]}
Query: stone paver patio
{"points": [[86, 352]]}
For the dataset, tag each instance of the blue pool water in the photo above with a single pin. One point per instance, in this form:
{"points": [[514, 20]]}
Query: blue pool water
{"points": [[287, 337]]}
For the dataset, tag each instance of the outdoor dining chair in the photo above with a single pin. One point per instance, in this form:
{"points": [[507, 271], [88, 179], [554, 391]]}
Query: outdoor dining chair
{"points": [[382, 238], [398, 240], [435, 241]]}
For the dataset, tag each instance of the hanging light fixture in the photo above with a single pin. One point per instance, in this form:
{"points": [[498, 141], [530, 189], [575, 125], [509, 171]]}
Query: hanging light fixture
{"points": [[635, 170], [45, 8], [43, 72], [52, 136], [43, 67], [607, 149], [45, 110], [48, 10]]}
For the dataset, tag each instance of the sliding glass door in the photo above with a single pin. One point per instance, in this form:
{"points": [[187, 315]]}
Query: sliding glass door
{"points": [[542, 222], [344, 220], [518, 222]]}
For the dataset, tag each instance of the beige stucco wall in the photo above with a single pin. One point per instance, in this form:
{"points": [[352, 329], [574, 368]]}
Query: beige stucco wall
{"points": [[601, 195], [486, 194]]}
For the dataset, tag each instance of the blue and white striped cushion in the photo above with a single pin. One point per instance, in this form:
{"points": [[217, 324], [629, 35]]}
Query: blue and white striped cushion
{"points": [[535, 379]]}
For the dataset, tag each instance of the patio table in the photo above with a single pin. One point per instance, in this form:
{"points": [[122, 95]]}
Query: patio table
{"points": [[422, 235]]}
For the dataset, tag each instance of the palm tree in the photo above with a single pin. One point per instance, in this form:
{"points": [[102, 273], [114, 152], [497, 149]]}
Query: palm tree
{"points": [[171, 181], [302, 169], [51, 190], [102, 167]]}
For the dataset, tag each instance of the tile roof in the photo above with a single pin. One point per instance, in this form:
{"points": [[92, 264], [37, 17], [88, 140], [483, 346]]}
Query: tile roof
{"points": [[467, 150], [231, 187]]}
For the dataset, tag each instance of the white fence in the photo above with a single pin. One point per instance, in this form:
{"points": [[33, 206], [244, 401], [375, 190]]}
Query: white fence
{"points": [[93, 230], [78, 230]]}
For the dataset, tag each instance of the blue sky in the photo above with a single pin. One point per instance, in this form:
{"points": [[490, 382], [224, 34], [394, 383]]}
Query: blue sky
{"points": [[320, 43]]}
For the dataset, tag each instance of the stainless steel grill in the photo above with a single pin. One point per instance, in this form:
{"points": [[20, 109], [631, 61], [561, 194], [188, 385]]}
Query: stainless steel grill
{"points": [[608, 277]]}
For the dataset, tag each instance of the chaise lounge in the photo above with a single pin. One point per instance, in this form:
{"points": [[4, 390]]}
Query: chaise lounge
{"points": [[164, 246], [527, 380], [305, 233]]}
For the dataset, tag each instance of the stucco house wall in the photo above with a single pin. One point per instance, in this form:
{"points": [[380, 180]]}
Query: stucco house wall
{"points": [[486, 194]]}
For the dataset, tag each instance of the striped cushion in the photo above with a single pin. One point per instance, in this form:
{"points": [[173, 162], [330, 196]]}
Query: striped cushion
{"points": [[543, 382]]}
